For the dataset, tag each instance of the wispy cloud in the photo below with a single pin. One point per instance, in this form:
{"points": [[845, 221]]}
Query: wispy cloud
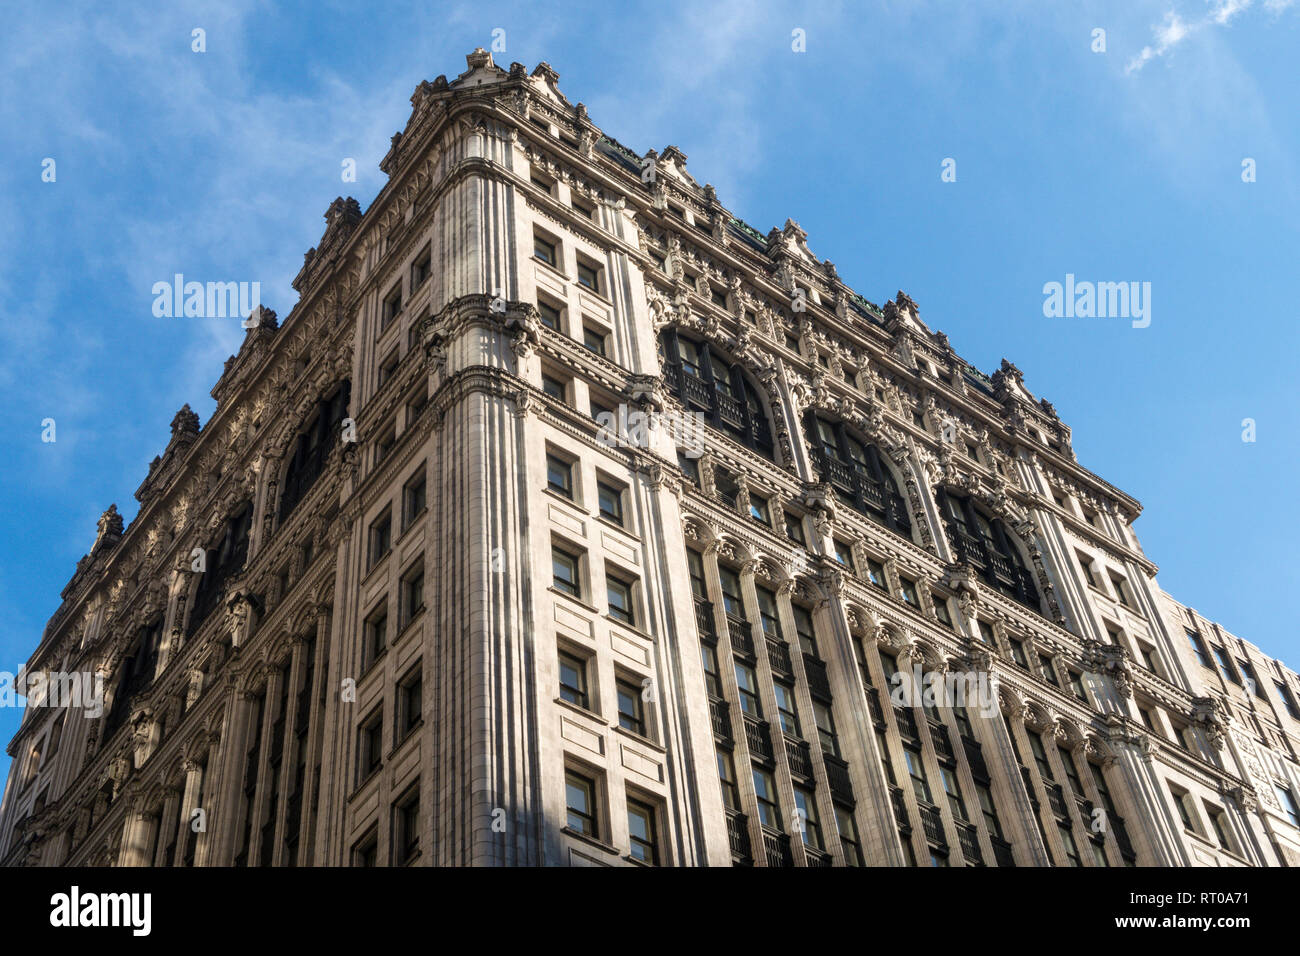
{"points": [[1174, 29]]}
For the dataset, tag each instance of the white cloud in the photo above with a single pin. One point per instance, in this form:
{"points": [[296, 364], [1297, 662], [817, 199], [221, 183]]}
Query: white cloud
{"points": [[1173, 30]]}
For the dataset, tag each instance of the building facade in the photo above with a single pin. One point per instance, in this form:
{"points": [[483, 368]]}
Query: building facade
{"points": [[569, 520]]}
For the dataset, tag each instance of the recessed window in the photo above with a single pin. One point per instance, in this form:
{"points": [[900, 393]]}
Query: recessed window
{"points": [[544, 183], [660, 261], [726, 488], [769, 810], [641, 832], [1219, 822], [732, 602], [406, 827], [631, 708], [727, 774], [758, 509], [844, 554], [1288, 699], [849, 838], [786, 713], [413, 499], [554, 388], [565, 573], [1186, 812], [580, 804], [544, 249], [876, 574], [412, 593], [907, 591], [803, 626], [410, 701], [747, 683], [941, 610], [392, 305], [610, 502], [371, 740], [593, 339], [384, 445], [1089, 574], [1121, 589], [1225, 664], [811, 828], [376, 637], [550, 315], [573, 681], [559, 476], [1252, 683], [767, 613], [366, 851], [826, 729], [794, 528], [1287, 799], [1076, 686], [420, 269], [1018, 652], [718, 298], [588, 276], [1198, 647], [387, 369], [986, 634], [1046, 671], [381, 538], [583, 209], [619, 596]]}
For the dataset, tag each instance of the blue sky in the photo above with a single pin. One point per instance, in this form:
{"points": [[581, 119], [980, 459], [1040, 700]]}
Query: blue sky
{"points": [[1114, 166]]}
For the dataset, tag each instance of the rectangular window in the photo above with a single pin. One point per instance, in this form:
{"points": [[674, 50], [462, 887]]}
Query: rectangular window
{"points": [[986, 634], [747, 682], [413, 498], [1018, 652], [876, 574], [1198, 646], [387, 369], [564, 572], [381, 538], [1183, 803], [767, 613], [941, 608], [550, 315], [1122, 592], [695, 566], [366, 851], [1219, 822], [371, 747], [589, 277], [1046, 671], [1252, 683], [1225, 664], [849, 838], [785, 709], [580, 803], [420, 269], [712, 682], [376, 637], [803, 626], [916, 772], [1288, 700], [610, 500], [406, 827], [844, 554], [1076, 686], [559, 476], [1089, 574], [619, 595], [953, 793], [412, 594], [593, 339], [554, 388], [573, 681], [907, 591], [758, 509], [631, 708], [410, 701], [641, 832], [731, 600], [806, 805], [1067, 841], [1287, 799], [726, 488], [392, 305], [545, 250], [826, 729], [769, 810], [794, 528]]}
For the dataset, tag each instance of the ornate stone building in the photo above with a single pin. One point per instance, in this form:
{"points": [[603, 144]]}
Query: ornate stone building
{"points": [[568, 519]]}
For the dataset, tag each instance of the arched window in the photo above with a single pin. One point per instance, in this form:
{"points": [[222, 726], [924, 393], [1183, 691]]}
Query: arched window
{"points": [[986, 544], [707, 381], [858, 472], [312, 449], [135, 674], [223, 561]]}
